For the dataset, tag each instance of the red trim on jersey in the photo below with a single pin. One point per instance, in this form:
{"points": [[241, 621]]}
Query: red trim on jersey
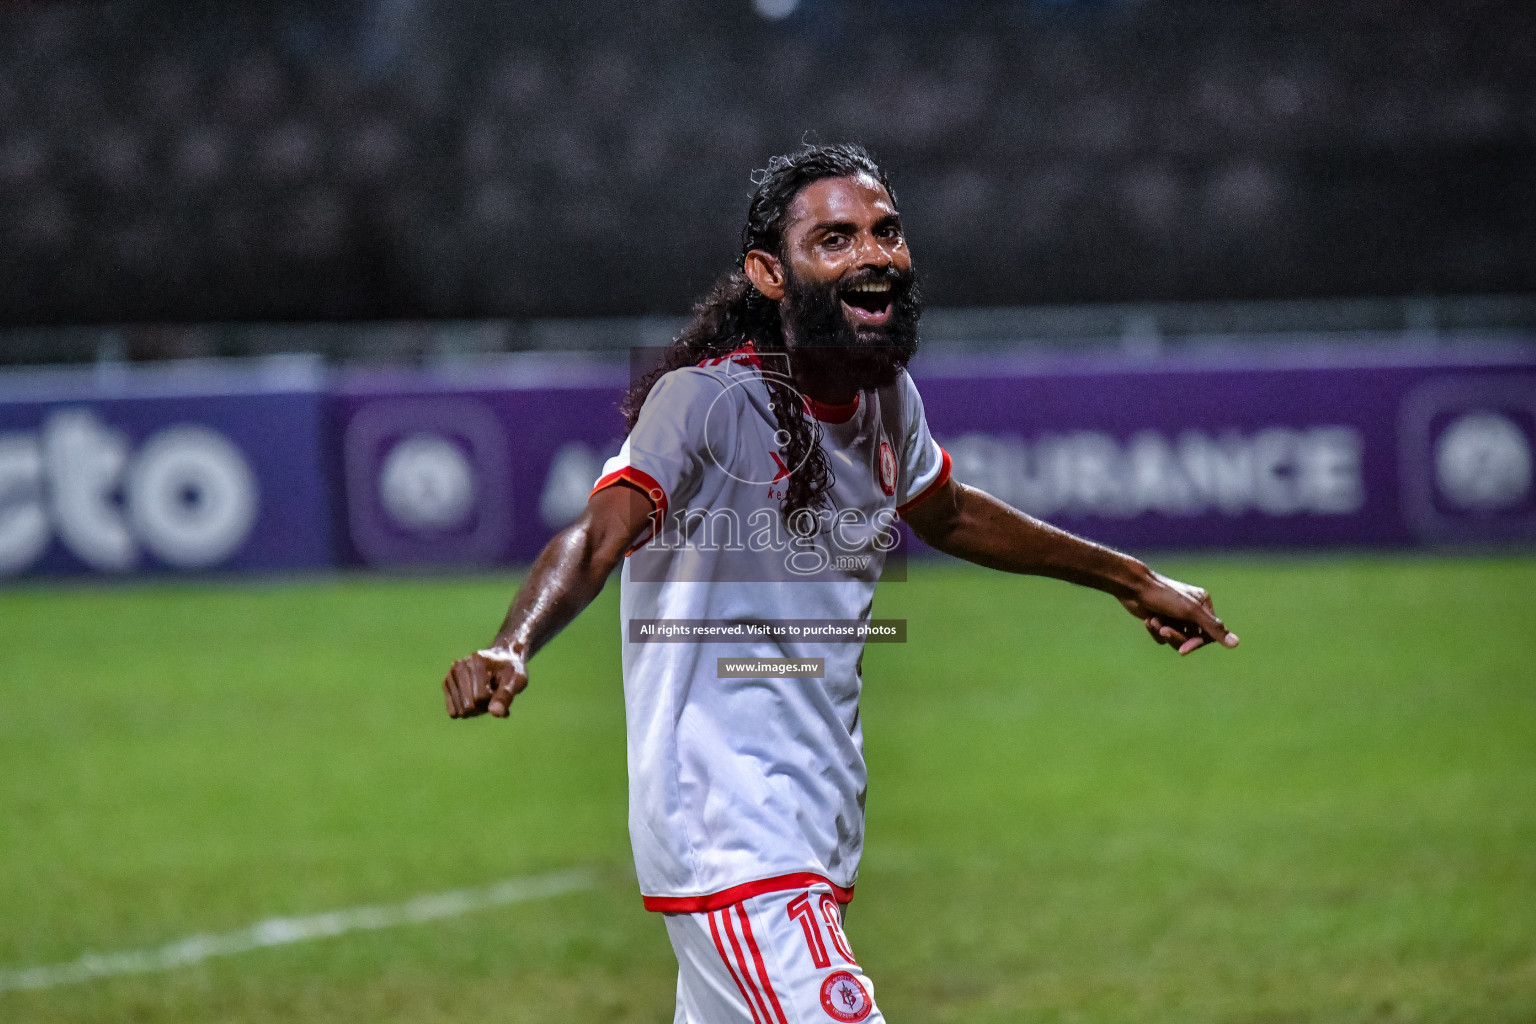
{"points": [[938, 482], [744, 355], [745, 891], [648, 486], [832, 413]]}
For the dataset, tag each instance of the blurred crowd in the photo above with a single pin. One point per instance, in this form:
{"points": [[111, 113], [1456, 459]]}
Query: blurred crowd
{"points": [[403, 158]]}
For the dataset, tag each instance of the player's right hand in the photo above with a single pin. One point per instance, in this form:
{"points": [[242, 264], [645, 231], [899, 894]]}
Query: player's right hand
{"points": [[486, 681]]}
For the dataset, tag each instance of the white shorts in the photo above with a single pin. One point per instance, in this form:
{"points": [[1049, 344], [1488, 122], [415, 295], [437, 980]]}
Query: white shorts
{"points": [[777, 958]]}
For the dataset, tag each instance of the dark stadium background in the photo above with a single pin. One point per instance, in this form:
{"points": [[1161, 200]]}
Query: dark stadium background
{"points": [[402, 159], [293, 296]]}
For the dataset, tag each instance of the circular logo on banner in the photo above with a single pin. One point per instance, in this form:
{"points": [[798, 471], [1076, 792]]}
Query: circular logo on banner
{"points": [[1483, 462], [887, 468], [427, 483], [844, 998]]}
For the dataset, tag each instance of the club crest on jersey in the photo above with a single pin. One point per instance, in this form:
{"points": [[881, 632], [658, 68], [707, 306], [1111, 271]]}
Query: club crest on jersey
{"points": [[887, 469], [844, 998]]}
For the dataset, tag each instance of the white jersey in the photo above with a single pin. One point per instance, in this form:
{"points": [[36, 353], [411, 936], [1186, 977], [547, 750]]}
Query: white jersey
{"points": [[740, 786]]}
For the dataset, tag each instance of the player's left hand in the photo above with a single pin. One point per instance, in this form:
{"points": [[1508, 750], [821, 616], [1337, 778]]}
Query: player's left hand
{"points": [[486, 681], [1178, 614]]}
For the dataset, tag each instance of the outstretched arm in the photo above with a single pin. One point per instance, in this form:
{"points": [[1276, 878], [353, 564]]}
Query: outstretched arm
{"points": [[567, 575], [975, 526]]}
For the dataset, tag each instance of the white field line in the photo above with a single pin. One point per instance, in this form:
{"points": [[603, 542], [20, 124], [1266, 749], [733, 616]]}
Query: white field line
{"points": [[281, 931]]}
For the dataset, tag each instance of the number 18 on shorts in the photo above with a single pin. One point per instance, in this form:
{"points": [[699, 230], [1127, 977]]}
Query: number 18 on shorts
{"points": [[776, 958]]}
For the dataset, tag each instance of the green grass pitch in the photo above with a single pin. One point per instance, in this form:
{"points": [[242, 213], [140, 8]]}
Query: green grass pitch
{"points": [[1336, 822]]}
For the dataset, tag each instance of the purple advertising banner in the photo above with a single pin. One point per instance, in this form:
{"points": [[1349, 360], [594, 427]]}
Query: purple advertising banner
{"points": [[219, 469], [1331, 449], [449, 472], [206, 468], [1360, 450]]}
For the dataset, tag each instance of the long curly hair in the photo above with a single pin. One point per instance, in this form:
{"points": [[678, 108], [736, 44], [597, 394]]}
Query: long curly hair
{"points": [[734, 313]]}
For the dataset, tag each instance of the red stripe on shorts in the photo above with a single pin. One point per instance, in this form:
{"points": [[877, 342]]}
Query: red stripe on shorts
{"points": [[746, 971], [726, 959], [757, 958]]}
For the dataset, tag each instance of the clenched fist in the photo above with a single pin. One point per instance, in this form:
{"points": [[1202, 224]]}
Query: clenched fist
{"points": [[485, 681]]}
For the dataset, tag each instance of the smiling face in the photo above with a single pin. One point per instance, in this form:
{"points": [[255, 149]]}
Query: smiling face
{"points": [[844, 281], [843, 235]]}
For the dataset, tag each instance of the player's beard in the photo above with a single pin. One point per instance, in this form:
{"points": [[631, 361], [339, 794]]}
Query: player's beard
{"points": [[827, 346]]}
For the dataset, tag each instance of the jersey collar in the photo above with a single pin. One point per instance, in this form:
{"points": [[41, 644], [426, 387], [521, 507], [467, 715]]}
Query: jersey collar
{"points": [[832, 413]]}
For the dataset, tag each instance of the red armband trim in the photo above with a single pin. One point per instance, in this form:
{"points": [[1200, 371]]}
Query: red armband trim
{"points": [[938, 482], [648, 486]]}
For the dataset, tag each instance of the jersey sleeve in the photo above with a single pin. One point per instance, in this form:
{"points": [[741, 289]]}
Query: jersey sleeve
{"points": [[924, 465], [666, 453]]}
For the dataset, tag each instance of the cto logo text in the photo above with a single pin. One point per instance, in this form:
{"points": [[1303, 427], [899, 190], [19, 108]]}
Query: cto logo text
{"points": [[186, 495]]}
